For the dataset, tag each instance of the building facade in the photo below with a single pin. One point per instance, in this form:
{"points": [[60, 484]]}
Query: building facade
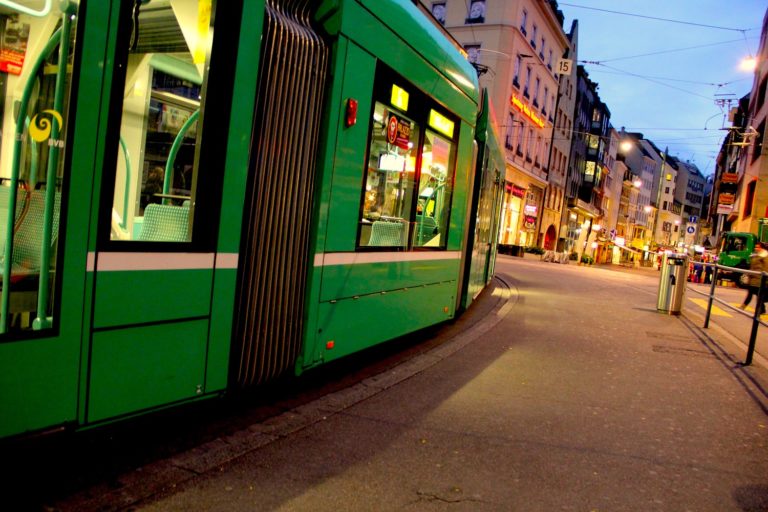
{"points": [[516, 45], [751, 208], [586, 167]]}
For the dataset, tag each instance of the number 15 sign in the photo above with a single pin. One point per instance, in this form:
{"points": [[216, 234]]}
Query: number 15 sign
{"points": [[564, 66]]}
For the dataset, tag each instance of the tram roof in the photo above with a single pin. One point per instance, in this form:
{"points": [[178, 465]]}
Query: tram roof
{"points": [[405, 20]]}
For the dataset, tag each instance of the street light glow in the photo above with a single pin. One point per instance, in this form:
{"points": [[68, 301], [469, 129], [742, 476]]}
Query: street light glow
{"points": [[748, 64], [625, 146], [637, 183]]}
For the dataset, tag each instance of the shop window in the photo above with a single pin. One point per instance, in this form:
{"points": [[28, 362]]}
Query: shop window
{"points": [[408, 185], [476, 12]]}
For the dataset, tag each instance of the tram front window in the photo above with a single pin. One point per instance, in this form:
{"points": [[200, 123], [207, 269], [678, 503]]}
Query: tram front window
{"points": [[34, 107], [157, 163]]}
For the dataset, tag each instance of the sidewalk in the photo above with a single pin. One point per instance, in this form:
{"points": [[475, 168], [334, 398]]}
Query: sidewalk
{"points": [[563, 390]]}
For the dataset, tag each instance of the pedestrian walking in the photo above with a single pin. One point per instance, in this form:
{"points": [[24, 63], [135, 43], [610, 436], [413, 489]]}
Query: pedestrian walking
{"points": [[758, 262]]}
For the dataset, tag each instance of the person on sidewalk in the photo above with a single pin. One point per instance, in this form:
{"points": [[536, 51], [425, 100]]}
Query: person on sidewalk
{"points": [[758, 262]]}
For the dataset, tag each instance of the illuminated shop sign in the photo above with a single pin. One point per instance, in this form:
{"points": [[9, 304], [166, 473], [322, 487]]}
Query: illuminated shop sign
{"points": [[527, 111], [529, 222], [518, 191], [726, 198], [729, 177]]}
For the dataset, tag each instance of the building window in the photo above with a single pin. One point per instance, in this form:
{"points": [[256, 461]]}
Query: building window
{"points": [[541, 50], [761, 93], [536, 92], [476, 12], [473, 53], [524, 23], [549, 60], [589, 172], [438, 11], [518, 64], [544, 102], [527, 82], [534, 34], [528, 145], [509, 141], [749, 200], [757, 149]]}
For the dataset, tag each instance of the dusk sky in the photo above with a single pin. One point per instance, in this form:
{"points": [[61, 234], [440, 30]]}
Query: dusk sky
{"points": [[670, 96]]}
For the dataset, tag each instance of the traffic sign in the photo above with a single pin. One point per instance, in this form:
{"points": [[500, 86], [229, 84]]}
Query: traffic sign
{"points": [[691, 229]]}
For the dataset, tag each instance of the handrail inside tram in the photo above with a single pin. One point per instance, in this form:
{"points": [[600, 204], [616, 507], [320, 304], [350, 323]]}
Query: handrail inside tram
{"points": [[126, 192], [41, 13], [175, 150]]}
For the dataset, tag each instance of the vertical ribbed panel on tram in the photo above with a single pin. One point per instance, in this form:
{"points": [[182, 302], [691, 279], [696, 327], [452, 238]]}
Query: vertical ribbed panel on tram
{"points": [[274, 254]]}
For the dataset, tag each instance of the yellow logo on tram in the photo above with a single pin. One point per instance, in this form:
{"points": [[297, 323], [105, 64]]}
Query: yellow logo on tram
{"points": [[40, 127]]}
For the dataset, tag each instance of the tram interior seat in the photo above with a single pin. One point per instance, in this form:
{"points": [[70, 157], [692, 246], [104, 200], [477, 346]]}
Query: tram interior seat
{"points": [[165, 223], [389, 234], [26, 264], [27, 240]]}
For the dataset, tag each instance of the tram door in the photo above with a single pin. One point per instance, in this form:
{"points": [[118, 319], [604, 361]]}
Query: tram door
{"points": [[44, 150], [154, 264]]}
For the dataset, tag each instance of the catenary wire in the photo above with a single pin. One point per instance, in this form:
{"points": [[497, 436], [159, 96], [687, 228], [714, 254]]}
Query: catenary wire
{"points": [[657, 18]]}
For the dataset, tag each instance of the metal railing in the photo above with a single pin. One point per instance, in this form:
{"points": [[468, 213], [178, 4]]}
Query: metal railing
{"points": [[761, 297]]}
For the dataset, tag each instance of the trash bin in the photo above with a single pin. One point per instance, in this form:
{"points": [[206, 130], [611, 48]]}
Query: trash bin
{"points": [[674, 274]]}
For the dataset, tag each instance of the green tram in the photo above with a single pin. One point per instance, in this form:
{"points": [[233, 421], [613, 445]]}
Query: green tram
{"points": [[208, 194]]}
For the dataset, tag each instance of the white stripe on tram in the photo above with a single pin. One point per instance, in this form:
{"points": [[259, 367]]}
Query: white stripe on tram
{"points": [[133, 261], [361, 258]]}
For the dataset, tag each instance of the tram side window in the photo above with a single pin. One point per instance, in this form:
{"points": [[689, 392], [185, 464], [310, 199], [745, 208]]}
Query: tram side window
{"points": [[408, 184], [390, 179], [435, 190], [159, 141]]}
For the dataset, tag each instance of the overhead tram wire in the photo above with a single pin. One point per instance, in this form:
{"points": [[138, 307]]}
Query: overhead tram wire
{"points": [[650, 80], [660, 52], [669, 20], [723, 84]]}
